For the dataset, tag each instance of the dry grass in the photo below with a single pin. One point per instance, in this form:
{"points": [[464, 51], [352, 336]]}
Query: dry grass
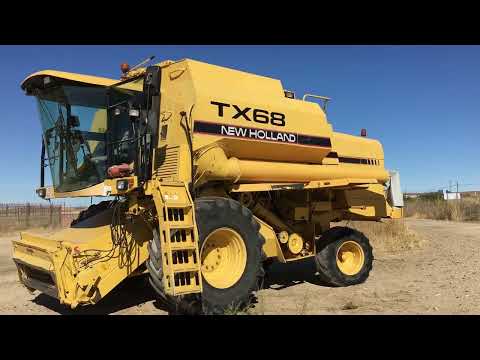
{"points": [[15, 217], [388, 235], [13, 227], [247, 309], [467, 209], [302, 307]]}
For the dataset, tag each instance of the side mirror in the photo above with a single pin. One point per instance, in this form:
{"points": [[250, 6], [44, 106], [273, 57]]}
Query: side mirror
{"points": [[151, 83], [136, 107]]}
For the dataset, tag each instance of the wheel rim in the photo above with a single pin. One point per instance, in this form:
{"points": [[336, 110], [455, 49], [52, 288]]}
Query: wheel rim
{"points": [[350, 258], [224, 258]]}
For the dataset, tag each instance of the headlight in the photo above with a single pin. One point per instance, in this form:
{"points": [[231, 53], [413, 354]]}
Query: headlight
{"points": [[122, 185], [42, 192]]}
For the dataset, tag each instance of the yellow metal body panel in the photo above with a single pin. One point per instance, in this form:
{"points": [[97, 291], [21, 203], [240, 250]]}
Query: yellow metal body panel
{"points": [[195, 89], [213, 164], [244, 90], [272, 246], [394, 212], [346, 145], [100, 189], [366, 203], [105, 188], [264, 171], [334, 183]]}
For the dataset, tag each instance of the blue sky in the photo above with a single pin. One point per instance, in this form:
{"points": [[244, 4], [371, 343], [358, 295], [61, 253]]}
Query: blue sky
{"points": [[421, 102]]}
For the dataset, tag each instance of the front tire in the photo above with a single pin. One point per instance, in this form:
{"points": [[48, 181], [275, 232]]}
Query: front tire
{"points": [[344, 257], [229, 229], [186, 305], [226, 229]]}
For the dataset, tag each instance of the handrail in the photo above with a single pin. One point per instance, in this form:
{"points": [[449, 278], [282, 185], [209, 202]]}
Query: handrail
{"points": [[324, 98]]}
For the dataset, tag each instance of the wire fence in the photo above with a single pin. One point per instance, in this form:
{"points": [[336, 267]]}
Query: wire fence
{"points": [[19, 216]]}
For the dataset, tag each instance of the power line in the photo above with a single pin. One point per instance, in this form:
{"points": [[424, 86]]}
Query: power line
{"points": [[457, 185]]}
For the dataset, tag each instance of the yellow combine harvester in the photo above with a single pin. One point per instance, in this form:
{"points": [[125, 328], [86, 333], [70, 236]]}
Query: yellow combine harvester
{"points": [[214, 172]]}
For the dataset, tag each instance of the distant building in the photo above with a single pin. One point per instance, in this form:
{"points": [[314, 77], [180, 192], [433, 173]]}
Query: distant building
{"points": [[442, 194], [447, 195]]}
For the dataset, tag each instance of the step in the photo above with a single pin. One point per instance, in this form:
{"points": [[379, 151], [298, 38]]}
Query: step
{"points": [[187, 289], [174, 205], [179, 226], [186, 245], [179, 268], [187, 270]]}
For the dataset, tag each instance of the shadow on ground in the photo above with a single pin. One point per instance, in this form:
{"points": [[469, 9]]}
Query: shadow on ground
{"points": [[131, 292], [280, 276], [136, 291]]}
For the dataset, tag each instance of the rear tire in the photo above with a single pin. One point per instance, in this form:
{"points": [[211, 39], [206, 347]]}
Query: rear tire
{"points": [[344, 257]]}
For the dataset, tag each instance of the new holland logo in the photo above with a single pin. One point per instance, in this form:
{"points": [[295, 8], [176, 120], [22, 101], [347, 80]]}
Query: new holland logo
{"points": [[258, 134], [243, 132]]}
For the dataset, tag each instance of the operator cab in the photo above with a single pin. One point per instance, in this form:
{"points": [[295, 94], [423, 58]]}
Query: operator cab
{"points": [[88, 126]]}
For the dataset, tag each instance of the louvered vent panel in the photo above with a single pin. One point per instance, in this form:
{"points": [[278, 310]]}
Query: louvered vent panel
{"points": [[167, 162]]}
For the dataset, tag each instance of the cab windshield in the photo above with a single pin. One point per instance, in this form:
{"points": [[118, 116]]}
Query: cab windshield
{"points": [[78, 125]]}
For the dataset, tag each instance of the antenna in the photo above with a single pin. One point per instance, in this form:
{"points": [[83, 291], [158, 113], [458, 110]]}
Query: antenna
{"points": [[143, 62]]}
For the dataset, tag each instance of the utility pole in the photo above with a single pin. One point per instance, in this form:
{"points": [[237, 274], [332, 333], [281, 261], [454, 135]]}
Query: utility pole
{"points": [[449, 185]]}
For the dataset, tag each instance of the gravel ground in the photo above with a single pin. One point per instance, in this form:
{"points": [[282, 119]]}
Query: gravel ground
{"points": [[441, 278]]}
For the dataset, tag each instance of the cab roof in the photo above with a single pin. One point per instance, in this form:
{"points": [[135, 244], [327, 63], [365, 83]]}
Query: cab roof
{"points": [[36, 79]]}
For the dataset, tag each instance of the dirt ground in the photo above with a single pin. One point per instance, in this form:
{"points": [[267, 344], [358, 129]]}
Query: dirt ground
{"points": [[441, 278]]}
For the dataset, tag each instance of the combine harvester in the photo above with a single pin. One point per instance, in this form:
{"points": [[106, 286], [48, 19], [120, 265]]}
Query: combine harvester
{"points": [[214, 173]]}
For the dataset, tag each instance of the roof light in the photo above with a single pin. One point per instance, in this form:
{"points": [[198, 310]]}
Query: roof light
{"points": [[125, 68]]}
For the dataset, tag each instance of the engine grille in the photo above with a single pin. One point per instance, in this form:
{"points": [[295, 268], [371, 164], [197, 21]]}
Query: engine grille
{"points": [[167, 161]]}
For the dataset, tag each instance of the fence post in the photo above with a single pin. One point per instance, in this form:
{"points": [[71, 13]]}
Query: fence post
{"points": [[27, 215]]}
